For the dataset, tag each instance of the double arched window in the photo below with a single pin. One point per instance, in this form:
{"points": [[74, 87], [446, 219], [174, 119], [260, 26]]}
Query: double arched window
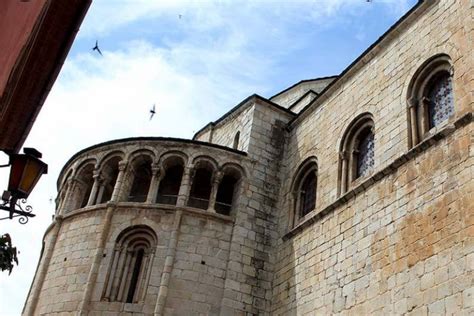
{"points": [[304, 189], [130, 266], [430, 97], [357, 152]]}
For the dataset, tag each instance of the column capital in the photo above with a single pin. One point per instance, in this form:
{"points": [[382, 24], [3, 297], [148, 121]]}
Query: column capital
{"points": [[217, 177], [344, 155], [96, 174], [122, 165], [425, 101], [412, 102]]}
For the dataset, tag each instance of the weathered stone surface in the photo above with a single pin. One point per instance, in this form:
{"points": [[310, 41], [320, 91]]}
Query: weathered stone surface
{"points": [[399, 241]]}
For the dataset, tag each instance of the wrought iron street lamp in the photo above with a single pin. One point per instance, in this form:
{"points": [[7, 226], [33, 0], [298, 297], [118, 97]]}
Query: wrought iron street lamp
{"points": [[26, 169]]}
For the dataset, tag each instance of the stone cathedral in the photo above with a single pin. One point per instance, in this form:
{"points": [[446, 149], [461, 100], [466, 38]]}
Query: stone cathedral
{"points": [[350, 194]]}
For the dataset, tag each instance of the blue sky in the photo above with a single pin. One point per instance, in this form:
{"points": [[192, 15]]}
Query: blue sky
{"points": [[194, 68]]}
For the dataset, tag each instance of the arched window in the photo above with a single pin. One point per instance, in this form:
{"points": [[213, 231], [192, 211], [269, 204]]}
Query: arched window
{"points": [[357, 153], [227, 191], [304, 189], [141, 175], [169, 186], [109, 174], [130, 265], [201, 186], [430, 97], [82, 186], [236, 140]]}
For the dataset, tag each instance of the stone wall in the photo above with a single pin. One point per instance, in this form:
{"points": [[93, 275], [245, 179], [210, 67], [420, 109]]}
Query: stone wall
{"points": [[224, 133], [400, 240], [250, 269], [319, 130], [404, 245], [68, 268]]}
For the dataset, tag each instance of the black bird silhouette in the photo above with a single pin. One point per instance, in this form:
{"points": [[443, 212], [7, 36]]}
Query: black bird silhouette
{"points": [[152, 111], [180, 16], [96, 47]]}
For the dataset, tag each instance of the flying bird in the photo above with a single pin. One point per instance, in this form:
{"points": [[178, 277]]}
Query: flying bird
{"points": [[96, 47], [180, 16], [152, 111]]}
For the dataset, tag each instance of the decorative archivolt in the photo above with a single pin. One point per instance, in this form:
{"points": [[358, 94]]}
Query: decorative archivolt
{"points": [[130, 266]]}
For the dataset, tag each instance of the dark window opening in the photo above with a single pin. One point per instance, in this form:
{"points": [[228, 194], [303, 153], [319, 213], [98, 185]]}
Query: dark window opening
{"points": [[308, 194], [136, 272], [236, 140], [201, 189], [169, 185], [141, 183], [88, 190], [225, 195], [440, 99], [110, 178], [365, 153], [86, 183]]}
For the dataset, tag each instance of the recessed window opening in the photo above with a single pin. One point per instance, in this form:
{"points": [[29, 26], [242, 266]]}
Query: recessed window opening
{"points": [[141, 182], [136, 271], [169, 185], [201, 189], [86, 182], [236, 140], [109, 173], [430, 97], [130, 265], [225, 194], [304, 190], [308, 194], [357, 151]]}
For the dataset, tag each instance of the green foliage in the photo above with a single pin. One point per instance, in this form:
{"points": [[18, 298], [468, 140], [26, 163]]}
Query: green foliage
{"points": [[7, 253]]}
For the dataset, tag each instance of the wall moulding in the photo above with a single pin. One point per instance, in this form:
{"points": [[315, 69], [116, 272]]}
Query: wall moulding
{"points": [[410, 155]]}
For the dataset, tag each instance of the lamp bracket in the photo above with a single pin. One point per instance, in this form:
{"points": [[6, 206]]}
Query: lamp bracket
{"points": [[16, 207]]}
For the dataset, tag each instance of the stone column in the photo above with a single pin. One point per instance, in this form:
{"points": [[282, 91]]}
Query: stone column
{"points": [[292, 215], [93, 272], [425, 116], [110, 280], [352, 166], [185, 187], [118, 184], [412, 106], [101, 191], [344, 173], [216, 180], [95, 187], [168, 267], [157, 175], [148, 275]]}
